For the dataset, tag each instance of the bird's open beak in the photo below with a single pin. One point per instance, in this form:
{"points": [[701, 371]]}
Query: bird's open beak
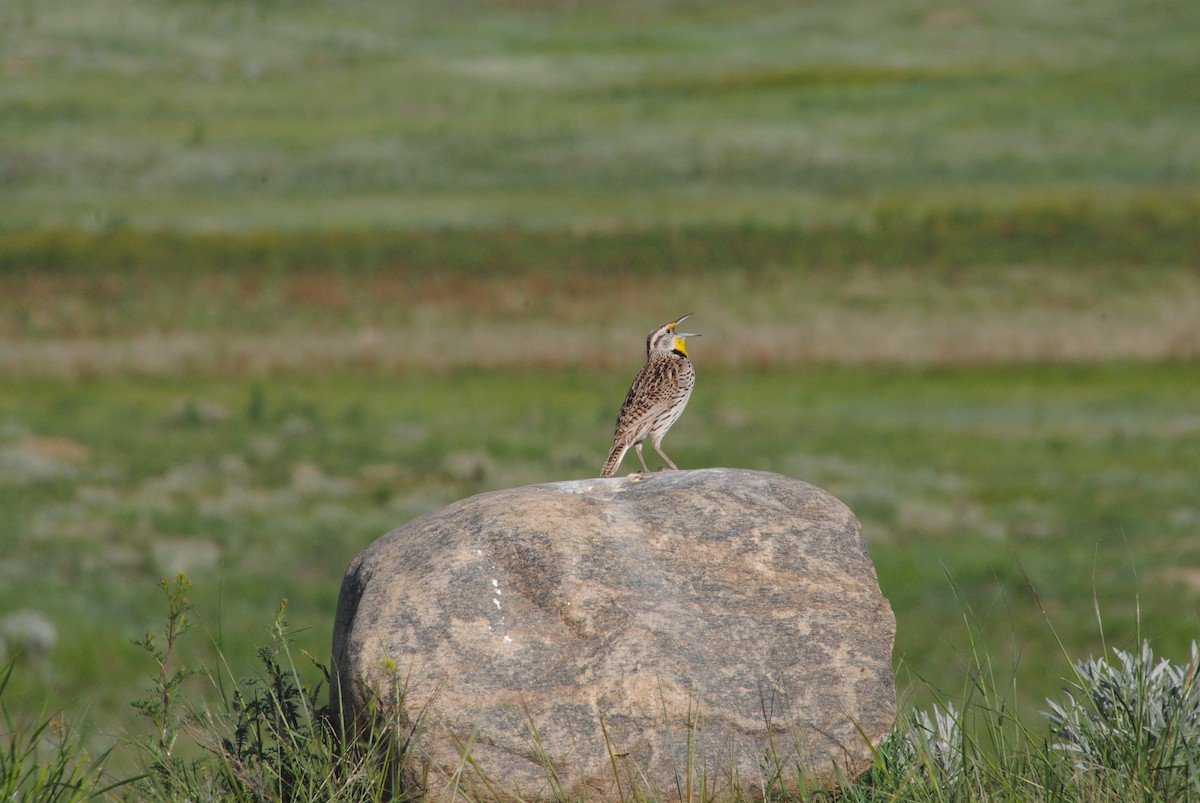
{"points": [[682, 335], [678, 343]]}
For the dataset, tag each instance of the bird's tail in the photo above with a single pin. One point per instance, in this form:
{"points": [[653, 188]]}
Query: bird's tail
{"points": [[614, 459]]}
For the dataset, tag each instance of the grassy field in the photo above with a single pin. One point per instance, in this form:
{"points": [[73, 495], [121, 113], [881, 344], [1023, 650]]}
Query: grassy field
{"points": [[277, 277], [240, 115], [972, 484]]}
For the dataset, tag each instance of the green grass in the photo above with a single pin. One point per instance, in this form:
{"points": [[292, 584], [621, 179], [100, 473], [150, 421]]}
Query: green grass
{"points": [[296, 115]]}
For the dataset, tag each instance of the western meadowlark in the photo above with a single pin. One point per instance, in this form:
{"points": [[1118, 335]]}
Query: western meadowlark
{"points": [[657, 397]]}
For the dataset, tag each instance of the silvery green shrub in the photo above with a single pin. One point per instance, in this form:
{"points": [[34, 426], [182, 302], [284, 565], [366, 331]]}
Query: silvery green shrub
{"points": [[922, 747], [1136, 716]]}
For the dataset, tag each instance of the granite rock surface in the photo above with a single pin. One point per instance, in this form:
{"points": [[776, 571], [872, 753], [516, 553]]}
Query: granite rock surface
{"points": [[641, 632]]}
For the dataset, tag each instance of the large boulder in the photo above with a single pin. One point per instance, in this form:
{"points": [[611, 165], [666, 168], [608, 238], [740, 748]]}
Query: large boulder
{"points": [[718, 630]]}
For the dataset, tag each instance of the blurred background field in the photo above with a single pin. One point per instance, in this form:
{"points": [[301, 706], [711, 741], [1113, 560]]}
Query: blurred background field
{"points": [[234, 115], [276, 277]]}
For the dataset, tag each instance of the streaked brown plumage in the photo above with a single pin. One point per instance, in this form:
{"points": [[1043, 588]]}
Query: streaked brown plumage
{"points": [[657, 397]]}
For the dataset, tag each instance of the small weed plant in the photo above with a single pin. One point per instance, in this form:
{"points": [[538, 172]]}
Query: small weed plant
{"points": [[267, 739], [923, 749]]}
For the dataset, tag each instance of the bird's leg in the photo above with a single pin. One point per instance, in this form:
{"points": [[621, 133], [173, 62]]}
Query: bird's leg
{"points": [[637, 447], [661, 454]]}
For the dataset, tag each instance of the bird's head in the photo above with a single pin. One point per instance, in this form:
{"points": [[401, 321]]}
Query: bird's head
{"points": [[667, 338]]}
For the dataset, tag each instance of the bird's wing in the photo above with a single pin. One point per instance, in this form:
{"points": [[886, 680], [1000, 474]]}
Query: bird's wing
{"points": [[651, 391]]}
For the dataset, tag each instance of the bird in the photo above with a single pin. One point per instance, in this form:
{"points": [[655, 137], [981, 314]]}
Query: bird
{"points": [[657, 397]]}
